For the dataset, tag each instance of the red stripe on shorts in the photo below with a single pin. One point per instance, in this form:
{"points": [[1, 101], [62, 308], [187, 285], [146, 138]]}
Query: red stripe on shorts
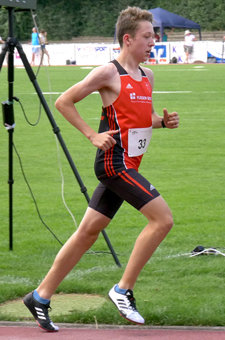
{"points": [[125, 179], [135, 182]]}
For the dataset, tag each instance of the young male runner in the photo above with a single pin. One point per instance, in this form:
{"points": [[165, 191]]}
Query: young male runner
{"points": [[125, 131]]}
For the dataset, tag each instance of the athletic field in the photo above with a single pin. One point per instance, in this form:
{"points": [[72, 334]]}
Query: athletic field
{"points": [[186, 165]]}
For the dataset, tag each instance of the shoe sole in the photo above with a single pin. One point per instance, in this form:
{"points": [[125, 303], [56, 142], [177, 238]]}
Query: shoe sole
{"points": [[137, 323]]}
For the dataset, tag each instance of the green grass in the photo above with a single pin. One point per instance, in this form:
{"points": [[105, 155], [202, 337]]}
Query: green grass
{"points": [[186, 166]]}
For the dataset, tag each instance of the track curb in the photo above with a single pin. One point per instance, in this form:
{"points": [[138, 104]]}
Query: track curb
{"points": [[105, 326]]}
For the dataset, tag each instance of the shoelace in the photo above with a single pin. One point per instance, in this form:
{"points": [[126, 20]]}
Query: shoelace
{"points": [[48, 309], [132, 303]]}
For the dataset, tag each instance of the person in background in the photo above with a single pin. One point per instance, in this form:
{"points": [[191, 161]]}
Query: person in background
{"points": [[43, 41], [127, 119], [157, 37], [165, 35], [223, 41], [189, 39], [2, 41], [35, 44]]}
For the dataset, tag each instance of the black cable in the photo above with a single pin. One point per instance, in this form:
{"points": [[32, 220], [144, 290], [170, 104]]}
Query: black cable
{"points": [[21, 166], [39, 66], [91, 252], [32, 124]]}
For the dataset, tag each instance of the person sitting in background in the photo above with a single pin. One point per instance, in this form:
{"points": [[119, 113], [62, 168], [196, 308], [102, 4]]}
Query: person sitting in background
{"points": [[189, 39]]}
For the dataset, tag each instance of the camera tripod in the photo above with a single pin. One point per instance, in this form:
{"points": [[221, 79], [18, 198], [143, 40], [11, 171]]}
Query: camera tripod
{"points": [[8, 120]]}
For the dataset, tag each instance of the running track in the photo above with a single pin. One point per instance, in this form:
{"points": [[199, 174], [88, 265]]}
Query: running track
{"points": [[30, 331]]}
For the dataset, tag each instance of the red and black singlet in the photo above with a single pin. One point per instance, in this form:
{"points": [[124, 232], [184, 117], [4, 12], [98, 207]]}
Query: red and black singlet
{"points": [[131, 110]]}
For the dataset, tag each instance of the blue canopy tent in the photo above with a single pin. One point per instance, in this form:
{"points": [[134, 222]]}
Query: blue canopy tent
{"points": [[164, 19]]}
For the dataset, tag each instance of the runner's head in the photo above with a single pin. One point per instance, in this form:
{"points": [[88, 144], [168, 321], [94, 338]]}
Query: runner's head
{"points": [[128, 22]]}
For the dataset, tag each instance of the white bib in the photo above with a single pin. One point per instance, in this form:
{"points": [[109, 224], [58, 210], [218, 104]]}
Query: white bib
{"points": [[138, 141]]}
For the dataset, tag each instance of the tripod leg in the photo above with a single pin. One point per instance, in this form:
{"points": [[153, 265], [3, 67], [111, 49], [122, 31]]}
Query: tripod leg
{"points": [[10, 182], [8, 116], [56, 130], [8, 120]]}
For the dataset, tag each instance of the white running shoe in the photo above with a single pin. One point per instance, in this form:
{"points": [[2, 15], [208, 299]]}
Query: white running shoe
{"points": [[126, 305]]}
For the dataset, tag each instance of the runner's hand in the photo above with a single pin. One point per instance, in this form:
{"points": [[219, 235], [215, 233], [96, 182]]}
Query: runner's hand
{"points": [[104, 140], [171, 120]]}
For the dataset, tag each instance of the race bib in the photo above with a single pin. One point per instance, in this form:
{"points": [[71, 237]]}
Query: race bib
{"points": [[138, 141]]}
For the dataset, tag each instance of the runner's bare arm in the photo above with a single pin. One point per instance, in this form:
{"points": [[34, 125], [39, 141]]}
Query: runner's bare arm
{"points": [[156, 119], [96, 80]]}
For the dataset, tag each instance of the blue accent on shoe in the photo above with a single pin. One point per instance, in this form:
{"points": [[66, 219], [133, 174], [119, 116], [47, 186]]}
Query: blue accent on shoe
{"points": [[38, 298], [120, 290]]}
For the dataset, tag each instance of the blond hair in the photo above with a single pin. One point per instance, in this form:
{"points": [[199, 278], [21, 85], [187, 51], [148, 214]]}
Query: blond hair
{"points": [[128, 21]]}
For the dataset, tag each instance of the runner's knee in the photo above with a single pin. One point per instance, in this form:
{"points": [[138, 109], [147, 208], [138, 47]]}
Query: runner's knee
{"points": [[167, 222], [163, 225]]}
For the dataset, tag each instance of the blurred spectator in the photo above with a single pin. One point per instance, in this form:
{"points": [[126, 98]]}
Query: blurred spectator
{"points": [[157, 37], [43, 40], [165, 35], [1, 41], [35, 44], [189, 39]]}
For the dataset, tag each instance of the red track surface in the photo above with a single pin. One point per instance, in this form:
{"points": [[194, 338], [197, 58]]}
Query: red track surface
{"points": [[20, 331]]}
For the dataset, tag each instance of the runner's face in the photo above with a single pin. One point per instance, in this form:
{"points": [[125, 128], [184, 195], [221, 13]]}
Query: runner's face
{"points": [[143, 40]]}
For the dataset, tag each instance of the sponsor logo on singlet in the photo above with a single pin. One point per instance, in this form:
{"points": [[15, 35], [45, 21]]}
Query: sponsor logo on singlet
{"points": [[144, 98], [133, 96], [148, 86], [129, 86]]}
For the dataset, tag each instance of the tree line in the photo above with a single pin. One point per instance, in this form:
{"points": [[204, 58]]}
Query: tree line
{"points": [[65, 19]]}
